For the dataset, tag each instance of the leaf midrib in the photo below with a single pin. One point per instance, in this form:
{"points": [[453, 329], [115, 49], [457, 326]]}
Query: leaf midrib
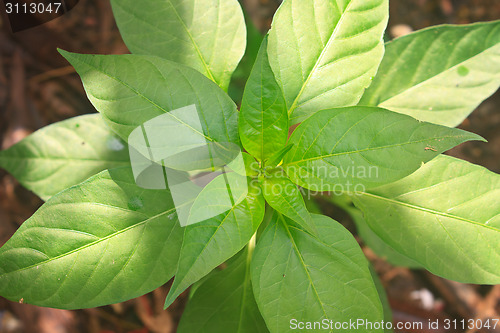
{"points": [[320, 58], [430, 211], [374, 148], [198, 52], [197, 49], [90, 244], [445, 72], [175, 291], [142, 95], [299, 255], [305, 221]]}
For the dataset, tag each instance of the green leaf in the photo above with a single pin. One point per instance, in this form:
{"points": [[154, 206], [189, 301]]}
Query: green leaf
{"points": [[103, 241], [209, 243], [195, 286], [298, 276], [383, 299], [64, 154], [348, 149], [263, 122], [129, 90], [219, 196], [440, 74], [242, 72], [445, 216], [225, 303], [324, 53], [208, 35], [284, 196], [381, 248]]}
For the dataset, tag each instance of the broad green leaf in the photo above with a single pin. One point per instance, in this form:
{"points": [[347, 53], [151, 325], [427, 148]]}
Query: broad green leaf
{"points": [[129, 90], [103, 241], [208, 35], [242, 72], [284, 196], [64, 154], [383, 299], [209, 243], [381, 248], [298, 276], [445, 216], [263, 122], [224, 303], [348, 149], [440, 74], [324, 53], [219, 196], [195, 286]]}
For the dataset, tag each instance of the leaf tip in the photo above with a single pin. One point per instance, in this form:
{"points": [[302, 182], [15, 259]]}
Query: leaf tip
{"points": [[168, 301], [482, 139], [66, 54], [470, 136], [69, 56], [62, 52], [172, 295], [476, 137]]}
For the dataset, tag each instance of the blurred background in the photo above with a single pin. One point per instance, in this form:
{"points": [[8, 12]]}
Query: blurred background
{"points": [[38, 87]]}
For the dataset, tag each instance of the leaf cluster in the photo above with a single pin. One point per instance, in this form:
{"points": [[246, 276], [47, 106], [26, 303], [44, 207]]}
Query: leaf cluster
{"points": [[373, 120]]}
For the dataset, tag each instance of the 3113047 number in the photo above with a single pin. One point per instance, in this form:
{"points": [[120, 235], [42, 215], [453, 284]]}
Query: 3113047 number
{"points": [[33, 8]]}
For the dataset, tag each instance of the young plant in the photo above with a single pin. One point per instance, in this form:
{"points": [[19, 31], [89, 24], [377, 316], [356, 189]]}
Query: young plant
{"points": [[109, 238]]}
